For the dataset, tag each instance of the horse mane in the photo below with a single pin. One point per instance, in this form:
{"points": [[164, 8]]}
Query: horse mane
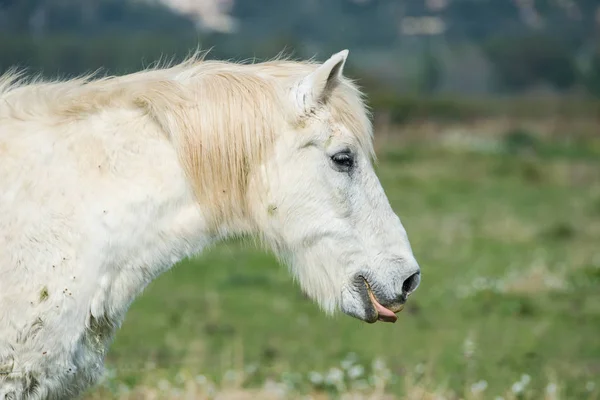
{"points": [[221, 116]]}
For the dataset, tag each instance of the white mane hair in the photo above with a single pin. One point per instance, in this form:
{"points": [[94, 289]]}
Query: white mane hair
{"points": [[108, 182], [217, 145]]}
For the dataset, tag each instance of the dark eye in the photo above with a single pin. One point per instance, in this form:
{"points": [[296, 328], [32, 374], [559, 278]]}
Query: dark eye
{"points": [[343, 160]]}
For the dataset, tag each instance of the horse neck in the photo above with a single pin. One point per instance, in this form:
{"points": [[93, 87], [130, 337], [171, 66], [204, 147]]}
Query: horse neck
{"points": [[141, 216]]}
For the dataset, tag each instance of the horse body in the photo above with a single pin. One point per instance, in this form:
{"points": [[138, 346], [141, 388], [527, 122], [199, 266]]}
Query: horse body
{"points": [[89, 217], [105, 184]]}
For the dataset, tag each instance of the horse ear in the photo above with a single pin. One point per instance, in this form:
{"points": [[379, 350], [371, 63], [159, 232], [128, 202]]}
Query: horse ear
{"points": [[315, 88]]}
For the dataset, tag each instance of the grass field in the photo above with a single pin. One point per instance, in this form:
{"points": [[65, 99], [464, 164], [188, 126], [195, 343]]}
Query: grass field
{"points": [[507, 233]]}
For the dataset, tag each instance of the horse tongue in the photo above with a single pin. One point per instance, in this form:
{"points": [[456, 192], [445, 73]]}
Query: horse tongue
{"points": [[385, 315]]}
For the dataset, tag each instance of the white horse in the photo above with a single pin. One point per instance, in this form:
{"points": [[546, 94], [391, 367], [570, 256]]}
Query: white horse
{"points": [[106, 183]]}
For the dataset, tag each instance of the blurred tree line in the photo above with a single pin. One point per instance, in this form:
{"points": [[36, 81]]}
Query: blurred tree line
{"points": [[556, 46]]}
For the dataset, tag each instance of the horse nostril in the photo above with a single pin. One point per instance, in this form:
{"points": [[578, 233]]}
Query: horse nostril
{"points": [[411, 283]]}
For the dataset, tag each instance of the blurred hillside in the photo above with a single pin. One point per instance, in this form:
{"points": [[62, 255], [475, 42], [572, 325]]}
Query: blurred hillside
{"points": [[423, 47]]}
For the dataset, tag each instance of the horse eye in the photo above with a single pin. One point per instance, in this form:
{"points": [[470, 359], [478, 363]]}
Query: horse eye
{"points": [[343, 160]]}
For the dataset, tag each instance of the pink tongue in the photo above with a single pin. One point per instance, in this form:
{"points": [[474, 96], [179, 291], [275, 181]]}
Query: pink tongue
{"points": [[384, 314]]}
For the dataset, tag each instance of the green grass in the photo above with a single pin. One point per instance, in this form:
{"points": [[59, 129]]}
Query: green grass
{"points": [[509, 246]]}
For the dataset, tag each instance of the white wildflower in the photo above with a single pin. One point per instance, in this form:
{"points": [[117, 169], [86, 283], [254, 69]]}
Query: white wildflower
{"points": [[356, 371], [347, 364], [180, 378], [378, 364], [383, 375], [525, 379], [480, 283], [315, 378], [230, 375], [349, 361], [211, 390], [551, 388], [290, 379], [335, 376], [201, 380], [517, 387], [469, 347], [590, 386], [479, 387]]}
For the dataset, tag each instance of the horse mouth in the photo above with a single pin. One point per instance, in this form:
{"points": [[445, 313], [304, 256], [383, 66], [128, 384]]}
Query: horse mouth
{"points": [[383, 314]]}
